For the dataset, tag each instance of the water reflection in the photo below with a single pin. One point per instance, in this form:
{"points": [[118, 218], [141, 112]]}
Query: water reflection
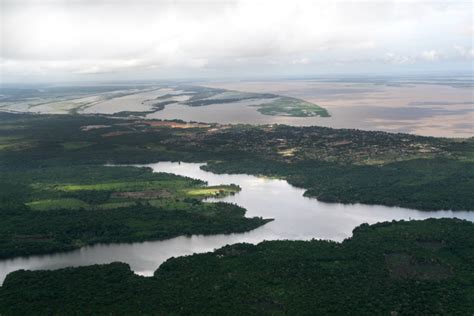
{"points": [[296, 217]]}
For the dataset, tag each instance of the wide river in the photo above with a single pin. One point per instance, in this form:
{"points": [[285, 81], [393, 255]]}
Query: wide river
{"points": [[296, 217]]}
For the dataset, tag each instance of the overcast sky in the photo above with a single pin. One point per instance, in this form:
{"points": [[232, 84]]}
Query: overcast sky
{"points": [[45, 40]]}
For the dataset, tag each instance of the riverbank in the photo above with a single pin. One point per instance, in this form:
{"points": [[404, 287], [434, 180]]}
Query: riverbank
{"points": [[295, 218], [60, 208], [421, 267], [347, 166]]}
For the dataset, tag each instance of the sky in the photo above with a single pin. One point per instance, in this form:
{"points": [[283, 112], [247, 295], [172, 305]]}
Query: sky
{"points": [[50, 40]]}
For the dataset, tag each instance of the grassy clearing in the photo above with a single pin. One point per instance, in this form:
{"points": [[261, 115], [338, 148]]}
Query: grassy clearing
{"points": [[213, 191], [57, 204], [149, 189], [120, 186], [8, 139], [11, 127], [10, 142]]}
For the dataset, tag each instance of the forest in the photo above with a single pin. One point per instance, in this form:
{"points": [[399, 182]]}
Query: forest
{"points": [[392, 268], [50, 209], [64, 185], [333, 165]]}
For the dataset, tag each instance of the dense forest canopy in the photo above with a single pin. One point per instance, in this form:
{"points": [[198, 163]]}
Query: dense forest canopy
{"points": [[404, 268]]}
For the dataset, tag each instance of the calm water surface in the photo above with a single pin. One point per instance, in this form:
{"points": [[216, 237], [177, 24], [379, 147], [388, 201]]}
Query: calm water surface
{"points": [[296, 217]]}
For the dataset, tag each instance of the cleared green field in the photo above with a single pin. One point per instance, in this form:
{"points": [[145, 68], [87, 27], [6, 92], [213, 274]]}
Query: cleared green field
{"points": [[213, 191], [119, 186], [57, 204], [12, 143]]}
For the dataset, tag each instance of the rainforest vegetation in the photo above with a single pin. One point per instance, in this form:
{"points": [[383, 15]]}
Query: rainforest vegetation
{"points": [[59, 191], [48, 208], [334, 165], [393, 268]]}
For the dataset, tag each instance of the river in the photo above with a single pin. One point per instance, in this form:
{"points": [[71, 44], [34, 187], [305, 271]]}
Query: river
{"points": [[296, 217]]}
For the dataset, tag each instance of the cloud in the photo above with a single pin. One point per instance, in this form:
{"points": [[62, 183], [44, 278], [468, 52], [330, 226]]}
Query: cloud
{"points": [[198, 36], [425, 56], [430, 55], [393, 58], [301, 61], [467, 53]]}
